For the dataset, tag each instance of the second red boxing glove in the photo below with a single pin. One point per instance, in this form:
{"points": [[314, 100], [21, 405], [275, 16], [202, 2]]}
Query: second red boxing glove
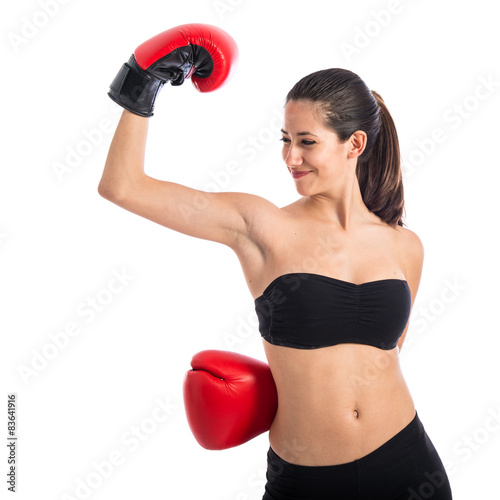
{"points": [[202, 52], [229, 398]]}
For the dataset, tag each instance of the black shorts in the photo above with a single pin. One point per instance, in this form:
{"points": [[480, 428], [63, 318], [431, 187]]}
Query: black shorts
{"points": [[407, 467]]}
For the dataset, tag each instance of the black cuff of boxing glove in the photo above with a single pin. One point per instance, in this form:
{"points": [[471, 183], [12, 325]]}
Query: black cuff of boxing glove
{"points": [[135, 89]]}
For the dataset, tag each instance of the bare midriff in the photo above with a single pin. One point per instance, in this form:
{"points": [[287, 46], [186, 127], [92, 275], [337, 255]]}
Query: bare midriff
{"points": [[336, 404]]}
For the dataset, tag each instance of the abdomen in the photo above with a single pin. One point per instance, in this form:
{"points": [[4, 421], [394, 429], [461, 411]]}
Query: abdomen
{"points": [[336, 404]]}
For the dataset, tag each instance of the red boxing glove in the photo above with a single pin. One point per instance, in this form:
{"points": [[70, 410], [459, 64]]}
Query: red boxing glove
{"points": [[229, 398], [204, 52]]}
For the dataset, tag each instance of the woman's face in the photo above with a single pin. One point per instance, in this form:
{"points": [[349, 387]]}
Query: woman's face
{"points": [[310, 147]]}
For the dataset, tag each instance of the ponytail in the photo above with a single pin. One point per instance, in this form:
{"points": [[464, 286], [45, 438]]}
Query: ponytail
{"points": [[348, 105], [379, 175]]}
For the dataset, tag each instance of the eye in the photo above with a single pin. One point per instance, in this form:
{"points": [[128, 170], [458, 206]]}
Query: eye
{"points": [[306, 143]]}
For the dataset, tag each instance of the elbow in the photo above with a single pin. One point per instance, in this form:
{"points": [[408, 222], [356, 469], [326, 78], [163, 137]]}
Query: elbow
{"points": [[110, 191], [105, 190], [118, 188]]}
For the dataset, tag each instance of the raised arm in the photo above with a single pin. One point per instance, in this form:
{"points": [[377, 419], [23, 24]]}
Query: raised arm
{"points": [[219, 217], [207, 55]]}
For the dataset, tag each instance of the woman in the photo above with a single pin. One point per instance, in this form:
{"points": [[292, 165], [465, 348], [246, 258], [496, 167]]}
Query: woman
{"points": [[334, 276]]}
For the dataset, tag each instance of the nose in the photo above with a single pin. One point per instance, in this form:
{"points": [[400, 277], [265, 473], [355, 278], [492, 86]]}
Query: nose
{"points": [[292, 156]]}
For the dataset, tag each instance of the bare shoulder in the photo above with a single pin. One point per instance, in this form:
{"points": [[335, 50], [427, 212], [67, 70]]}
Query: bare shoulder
{"points": [[412, 254], [411, 244]]}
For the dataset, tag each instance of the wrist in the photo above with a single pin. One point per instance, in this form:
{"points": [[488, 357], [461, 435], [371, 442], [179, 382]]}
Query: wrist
{"points": [[135, 89]]}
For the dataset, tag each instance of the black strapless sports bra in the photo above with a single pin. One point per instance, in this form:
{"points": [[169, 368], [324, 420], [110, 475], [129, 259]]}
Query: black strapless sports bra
{"points": [[308, 311]]}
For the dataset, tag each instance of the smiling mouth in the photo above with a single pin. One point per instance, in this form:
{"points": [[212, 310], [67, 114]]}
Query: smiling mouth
{"points": [[298, 174]]}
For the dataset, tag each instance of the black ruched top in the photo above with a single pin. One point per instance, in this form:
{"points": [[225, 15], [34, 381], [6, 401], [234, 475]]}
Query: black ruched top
{"points": [[309, 311]]}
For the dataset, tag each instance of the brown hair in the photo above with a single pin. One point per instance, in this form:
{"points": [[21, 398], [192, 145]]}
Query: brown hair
{"points": [[348, 105]]}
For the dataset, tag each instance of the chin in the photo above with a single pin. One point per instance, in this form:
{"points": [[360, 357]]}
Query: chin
{"points": [[304, 191]]}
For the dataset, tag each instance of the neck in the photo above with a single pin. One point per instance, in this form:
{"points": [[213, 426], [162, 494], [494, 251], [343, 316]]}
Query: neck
{"points": [[341, 206]]}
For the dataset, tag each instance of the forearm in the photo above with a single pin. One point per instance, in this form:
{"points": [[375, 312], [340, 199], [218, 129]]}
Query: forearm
{"points": [[124, 165]]}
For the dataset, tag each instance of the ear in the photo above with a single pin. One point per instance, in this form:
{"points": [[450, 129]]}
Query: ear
{"points": [[356, 144]]}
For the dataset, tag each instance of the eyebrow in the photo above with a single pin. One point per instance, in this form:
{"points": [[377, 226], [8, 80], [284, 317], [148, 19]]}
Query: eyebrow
{"points": [[300, 133]]}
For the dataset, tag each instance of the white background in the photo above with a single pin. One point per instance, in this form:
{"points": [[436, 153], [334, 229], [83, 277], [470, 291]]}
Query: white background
{"points": [[60, 242]]}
